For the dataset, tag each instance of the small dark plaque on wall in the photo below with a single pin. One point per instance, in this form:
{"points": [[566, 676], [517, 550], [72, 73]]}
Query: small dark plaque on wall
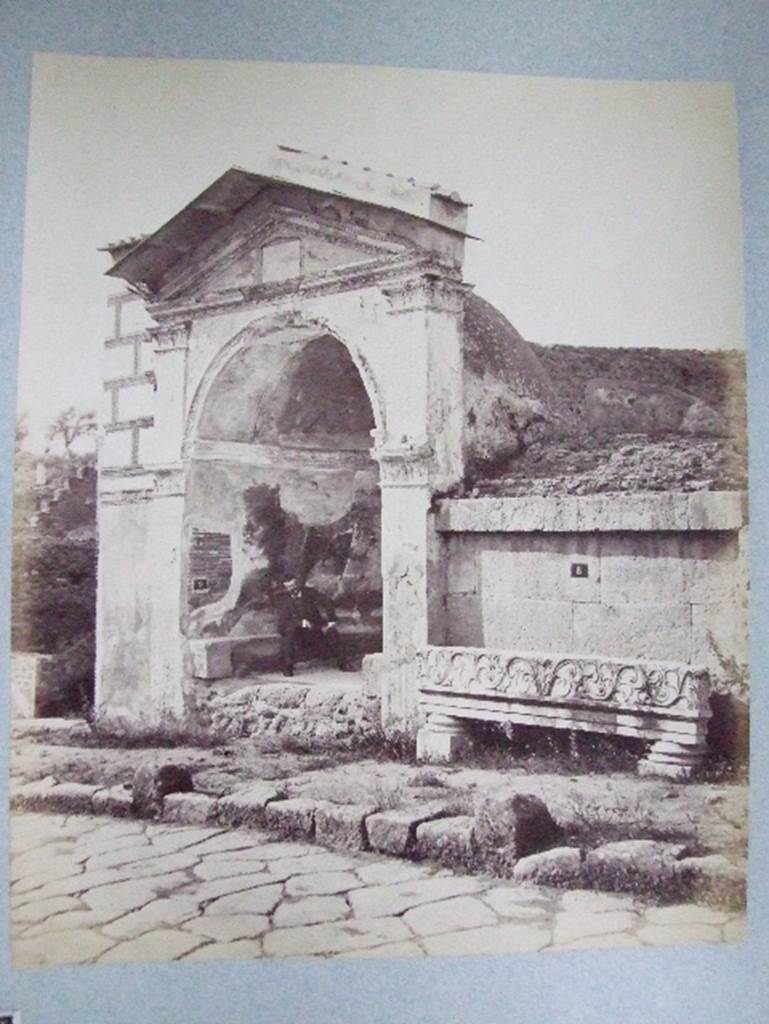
{"points": [[579, 570], [201, 583], [8, 1018]]}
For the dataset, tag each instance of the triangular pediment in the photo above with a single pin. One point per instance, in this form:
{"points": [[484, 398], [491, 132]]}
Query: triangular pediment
{"points": [[273, 241]]}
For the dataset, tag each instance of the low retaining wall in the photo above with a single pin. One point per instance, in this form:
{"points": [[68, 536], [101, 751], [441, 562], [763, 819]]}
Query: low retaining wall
{"points": [[666, 703], [654, 575]]}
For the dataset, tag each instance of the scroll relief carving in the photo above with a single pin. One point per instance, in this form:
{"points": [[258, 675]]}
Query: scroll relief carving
{"points": [[620, 684]]}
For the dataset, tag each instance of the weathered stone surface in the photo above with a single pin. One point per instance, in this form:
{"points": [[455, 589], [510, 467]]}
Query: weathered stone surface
{"points": [[612, 940], [116, 801], [190, 808], [310, 910], [519, 825], [164, 911], [48, 950], [338, 937], [39, 910], [559, 866], [32, 795], [522, 904], [161, 944], [685, 913], [153, 781], [294, 819], [588, 901], [632, 861], [342, 826], [573, 925], [450, 915], [240, 949], [715, 878], [246, 808], [314, 861], [389, 949], [391, 872], [324, 883], [382, 900], [490, 941], [395, 831], [448, 839], [212, 870], [228, 929], [71, 798], [678, 934], [255, 901]]}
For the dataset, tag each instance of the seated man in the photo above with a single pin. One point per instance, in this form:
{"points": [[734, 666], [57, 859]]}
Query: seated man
{"points": [[306, 615]]}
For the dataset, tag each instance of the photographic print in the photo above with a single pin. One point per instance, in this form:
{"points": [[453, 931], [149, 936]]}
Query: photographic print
{"points": [[380, 578]]}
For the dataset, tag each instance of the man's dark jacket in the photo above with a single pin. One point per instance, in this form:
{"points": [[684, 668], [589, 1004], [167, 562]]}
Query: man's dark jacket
{"points": [[308, 603]]}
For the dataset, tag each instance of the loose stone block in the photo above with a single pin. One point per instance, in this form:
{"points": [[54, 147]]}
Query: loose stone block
{"points": [[190, 808], [342, 826], [115, 800], [560, 866], [71, 798], [153, 781], [211, 658], [519, 825], [633, 861], [247, 807], [395, 831], [294, 819], [32, 795], [715, 878], [445, 839]]}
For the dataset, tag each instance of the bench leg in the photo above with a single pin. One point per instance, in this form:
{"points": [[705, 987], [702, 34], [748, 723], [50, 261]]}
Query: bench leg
{"points": [[443, 738], [674, 760]]}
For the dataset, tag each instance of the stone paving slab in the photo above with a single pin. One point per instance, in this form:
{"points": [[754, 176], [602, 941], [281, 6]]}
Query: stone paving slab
{"points": [[87, 890]]}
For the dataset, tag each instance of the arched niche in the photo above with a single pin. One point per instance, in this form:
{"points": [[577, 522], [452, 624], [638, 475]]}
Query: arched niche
{"points": [[281, 480]]}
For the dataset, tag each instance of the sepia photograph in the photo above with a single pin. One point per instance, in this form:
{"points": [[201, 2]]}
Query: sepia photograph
{"points": [[380, 579]]}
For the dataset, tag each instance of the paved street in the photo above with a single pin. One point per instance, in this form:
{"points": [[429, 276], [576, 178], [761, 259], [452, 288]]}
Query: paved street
{"points": [[88, 889]]}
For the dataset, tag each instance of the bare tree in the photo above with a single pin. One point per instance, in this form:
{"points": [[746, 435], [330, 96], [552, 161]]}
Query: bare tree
{"points": [[69, 425]]}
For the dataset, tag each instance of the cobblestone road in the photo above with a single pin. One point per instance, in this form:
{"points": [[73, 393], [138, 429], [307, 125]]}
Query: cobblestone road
{"points": [[87, 889]]}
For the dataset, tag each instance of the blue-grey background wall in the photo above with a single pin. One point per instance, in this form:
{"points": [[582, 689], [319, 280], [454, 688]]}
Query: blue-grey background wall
{"points": [[703, 40]]}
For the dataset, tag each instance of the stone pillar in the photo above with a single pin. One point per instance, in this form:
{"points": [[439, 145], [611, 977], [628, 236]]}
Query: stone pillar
{"points": [[139, 649], [404, 481], [673, 760], [442, 738], [169, 368], [420, 453]]}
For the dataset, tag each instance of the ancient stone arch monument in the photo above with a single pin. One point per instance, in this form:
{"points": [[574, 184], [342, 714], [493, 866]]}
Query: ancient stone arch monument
{"points": [[294, 336], [299, 379]]}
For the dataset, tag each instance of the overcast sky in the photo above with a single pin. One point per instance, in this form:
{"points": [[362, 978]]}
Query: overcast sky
{"points": [[609, 212]]}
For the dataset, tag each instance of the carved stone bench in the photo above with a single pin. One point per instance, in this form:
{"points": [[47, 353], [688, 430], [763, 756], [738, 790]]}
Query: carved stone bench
{"points": [[666, 703]]}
